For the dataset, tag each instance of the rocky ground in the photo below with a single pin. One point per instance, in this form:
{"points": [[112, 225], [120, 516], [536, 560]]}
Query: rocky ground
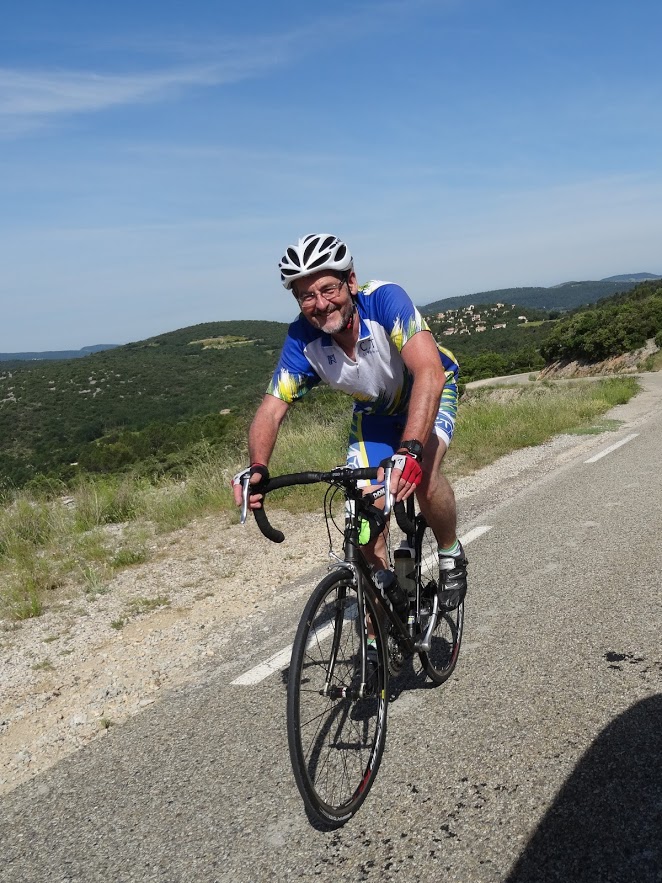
{"points": [[91, 662]]}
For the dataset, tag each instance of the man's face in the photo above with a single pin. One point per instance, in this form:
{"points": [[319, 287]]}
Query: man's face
{"points": [[325, 300]]}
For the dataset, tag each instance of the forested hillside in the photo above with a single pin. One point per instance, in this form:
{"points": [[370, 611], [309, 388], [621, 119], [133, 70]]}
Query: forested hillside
{"points": [[53, 413], [617, 325], [499, 352]]}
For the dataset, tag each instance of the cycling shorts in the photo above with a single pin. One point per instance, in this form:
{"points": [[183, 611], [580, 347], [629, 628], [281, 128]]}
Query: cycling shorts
{"points": [[375, 438]]}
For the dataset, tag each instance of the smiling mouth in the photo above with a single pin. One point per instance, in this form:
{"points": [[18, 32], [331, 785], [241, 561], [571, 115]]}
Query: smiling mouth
{"points": [[324, 313]]}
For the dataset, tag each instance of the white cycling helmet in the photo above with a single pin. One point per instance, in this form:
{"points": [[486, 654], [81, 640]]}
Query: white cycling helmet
{"points": [[312, 253]]}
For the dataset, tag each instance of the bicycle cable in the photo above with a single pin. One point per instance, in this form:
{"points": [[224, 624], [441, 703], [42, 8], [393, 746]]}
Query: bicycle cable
{"points": [[329, 497]]}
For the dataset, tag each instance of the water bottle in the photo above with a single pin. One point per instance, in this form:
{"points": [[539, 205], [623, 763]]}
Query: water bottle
{"points": [[387, 583], [405, 569]]}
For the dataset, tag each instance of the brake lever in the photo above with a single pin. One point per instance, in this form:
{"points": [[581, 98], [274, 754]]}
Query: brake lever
{"points": [[245, 483], [388, 496]]}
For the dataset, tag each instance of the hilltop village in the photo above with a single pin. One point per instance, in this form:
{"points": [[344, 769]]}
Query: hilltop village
{"points": [[474, 319]]}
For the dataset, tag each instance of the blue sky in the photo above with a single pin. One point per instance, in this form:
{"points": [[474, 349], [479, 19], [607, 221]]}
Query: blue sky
{"points": [[157, 157]]}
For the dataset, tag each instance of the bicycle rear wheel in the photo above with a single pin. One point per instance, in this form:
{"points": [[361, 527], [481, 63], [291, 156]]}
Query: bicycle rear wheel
{"points": [[440, 661], [336, 736]]}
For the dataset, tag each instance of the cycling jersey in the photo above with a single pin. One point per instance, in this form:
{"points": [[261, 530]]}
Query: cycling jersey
{"points": [[378, 380]]}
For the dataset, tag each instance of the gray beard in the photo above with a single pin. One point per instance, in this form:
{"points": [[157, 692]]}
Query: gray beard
{"points": [[339, 324]]}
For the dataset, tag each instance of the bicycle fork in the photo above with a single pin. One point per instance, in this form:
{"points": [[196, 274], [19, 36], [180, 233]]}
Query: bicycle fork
{"points": [[343, 619]]}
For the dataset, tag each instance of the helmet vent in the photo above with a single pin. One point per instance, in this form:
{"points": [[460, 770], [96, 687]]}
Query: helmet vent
{"points": [[293, 256], [310, 248]]}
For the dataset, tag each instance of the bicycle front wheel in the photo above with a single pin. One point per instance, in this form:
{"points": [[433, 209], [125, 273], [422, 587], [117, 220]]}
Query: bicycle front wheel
{"points": [[440, 661], [336, 730]]}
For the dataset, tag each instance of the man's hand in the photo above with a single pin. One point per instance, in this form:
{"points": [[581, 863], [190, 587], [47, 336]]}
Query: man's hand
{"points": [[405, 476], [258, 473]]}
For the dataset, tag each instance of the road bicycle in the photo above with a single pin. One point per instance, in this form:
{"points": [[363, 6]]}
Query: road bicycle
{"points": [[355, 631]]}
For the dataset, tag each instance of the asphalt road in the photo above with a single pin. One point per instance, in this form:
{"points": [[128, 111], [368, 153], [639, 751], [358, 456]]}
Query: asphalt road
{"points": [[539, 761]]}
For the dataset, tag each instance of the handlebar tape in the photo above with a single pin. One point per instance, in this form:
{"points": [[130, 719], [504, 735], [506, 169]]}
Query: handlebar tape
{"points": [[336, 475]]}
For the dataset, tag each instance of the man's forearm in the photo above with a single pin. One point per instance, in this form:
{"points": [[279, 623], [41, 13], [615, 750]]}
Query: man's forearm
{"points": [[264, 430], [423, 405], [261, 442], [421, 356]]}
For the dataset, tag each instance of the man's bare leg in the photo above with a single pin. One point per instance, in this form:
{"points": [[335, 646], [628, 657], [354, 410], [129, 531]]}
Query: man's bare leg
{"points": [[437, 503], [435, 495]]}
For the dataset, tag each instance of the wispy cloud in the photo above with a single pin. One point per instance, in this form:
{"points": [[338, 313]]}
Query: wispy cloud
{"points": [[45, 93], [30, 97]]}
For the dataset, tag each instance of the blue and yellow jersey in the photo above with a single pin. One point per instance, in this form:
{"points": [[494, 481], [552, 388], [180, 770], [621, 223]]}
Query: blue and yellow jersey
{"points": [[378, 380]]}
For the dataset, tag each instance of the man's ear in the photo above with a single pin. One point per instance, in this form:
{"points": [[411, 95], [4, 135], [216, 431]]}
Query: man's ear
{"points": [[352, 283]]}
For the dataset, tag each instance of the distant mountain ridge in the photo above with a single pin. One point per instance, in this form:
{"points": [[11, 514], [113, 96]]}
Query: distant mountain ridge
{"points": [[57, 354], [632, 277], [566, 296]]}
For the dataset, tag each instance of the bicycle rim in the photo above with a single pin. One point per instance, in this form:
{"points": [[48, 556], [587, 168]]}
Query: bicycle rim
{"points": [[336, 739], [440, 661]]}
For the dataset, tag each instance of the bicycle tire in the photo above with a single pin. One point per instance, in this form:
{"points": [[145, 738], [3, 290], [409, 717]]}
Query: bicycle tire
{"points": [[336, 741], [440, 661]]}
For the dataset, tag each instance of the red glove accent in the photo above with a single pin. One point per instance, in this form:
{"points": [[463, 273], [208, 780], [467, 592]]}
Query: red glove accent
{"points": [[410, 467]]}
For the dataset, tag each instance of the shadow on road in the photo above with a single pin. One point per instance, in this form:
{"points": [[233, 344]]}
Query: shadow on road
{"points": [[606, 823]]}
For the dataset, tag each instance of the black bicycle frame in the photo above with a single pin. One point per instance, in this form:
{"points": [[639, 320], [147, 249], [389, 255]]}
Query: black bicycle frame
{"points": [[362, 573], [354, 559]]}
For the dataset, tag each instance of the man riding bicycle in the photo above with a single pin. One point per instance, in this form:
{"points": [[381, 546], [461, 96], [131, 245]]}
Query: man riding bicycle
{"points": [[373, 344]]}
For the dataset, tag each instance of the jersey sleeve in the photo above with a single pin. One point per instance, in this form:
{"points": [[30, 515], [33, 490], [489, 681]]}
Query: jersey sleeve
{"points": [[398, 314], [392, 307], [294, 376]]}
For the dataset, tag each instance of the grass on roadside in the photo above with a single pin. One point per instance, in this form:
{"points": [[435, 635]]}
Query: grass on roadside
{"points": [[492, 421], [76, 544]]}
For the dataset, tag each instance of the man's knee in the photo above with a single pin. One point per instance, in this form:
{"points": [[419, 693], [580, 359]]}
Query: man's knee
{"points": [[435, 488]]}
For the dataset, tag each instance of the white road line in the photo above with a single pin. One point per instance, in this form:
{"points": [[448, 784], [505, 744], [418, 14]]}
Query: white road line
{"points": [[474, 534], [623, 441], [281, 660], [260, 672]]}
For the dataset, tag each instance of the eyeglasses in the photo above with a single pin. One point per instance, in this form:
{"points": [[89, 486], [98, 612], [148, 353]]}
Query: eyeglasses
{"points": [[329, 292]]}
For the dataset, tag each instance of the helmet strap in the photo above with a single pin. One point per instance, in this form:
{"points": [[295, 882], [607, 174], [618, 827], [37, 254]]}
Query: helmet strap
{"points": [[350, 321]]}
